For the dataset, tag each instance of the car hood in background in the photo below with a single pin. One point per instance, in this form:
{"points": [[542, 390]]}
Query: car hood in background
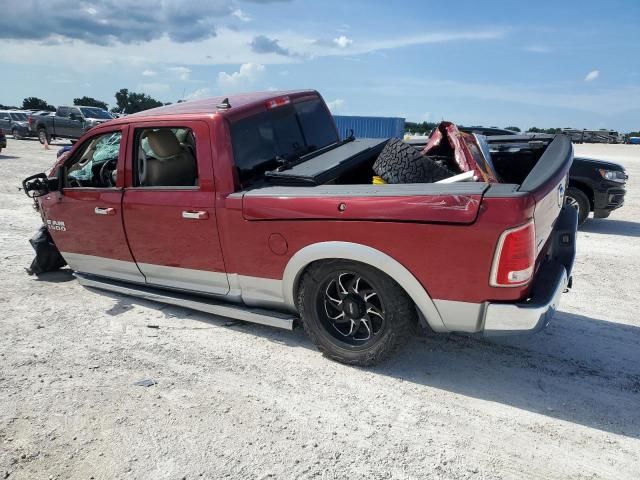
{"points": [[599, 163]]}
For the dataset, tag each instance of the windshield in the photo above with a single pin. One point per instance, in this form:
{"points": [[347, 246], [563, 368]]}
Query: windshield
{"points": [[92, 112], [18, 117], [286, 133]]}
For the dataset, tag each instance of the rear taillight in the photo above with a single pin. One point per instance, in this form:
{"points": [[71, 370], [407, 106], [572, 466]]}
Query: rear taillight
{"points": [[515, 257], [30, 119], [278, 102]]}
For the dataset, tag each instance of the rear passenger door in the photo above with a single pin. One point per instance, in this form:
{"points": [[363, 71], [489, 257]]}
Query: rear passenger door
{"points": [[169, 213]]}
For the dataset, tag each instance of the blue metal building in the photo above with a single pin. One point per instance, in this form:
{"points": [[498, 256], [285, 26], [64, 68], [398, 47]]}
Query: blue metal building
{"points": [[370, 127]]}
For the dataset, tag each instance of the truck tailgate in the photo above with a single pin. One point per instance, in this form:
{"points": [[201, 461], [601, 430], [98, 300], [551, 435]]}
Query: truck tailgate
{"points": [[547, 183]]}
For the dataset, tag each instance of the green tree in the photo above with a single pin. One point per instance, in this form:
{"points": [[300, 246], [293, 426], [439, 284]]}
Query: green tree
{"points": [[35, 103], [141, 101], [122, 101], [132, 102], [423, 127], [515, 129], [89, 102]]}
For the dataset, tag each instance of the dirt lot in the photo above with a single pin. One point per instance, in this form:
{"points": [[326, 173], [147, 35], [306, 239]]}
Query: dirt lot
{"points": [[244, 401]]}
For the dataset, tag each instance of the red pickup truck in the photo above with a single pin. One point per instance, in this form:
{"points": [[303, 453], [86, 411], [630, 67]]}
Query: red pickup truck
{"points": [[252, 207]]}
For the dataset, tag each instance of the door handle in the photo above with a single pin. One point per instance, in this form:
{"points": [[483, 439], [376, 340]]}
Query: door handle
{"points": [[105, 211], [195, 215]]}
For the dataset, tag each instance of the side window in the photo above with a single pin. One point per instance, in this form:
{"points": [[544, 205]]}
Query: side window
{"points": [[63, 111], [165, 157], [4, 116], [94, 164]]}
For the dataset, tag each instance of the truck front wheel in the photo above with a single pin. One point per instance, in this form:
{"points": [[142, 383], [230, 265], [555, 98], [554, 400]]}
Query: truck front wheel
{"points": [[577, 199], [43, 136], [354, 313]]}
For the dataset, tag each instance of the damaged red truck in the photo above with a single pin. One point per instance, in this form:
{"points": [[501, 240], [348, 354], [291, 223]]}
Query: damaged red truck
{"points": [[251, 207]]}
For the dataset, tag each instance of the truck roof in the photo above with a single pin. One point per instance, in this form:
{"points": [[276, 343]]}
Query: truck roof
{"points": [[239, 102]]}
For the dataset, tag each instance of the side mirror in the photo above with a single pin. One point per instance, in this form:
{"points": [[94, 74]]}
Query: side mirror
{"points": [[72, 116], [39, 184]]}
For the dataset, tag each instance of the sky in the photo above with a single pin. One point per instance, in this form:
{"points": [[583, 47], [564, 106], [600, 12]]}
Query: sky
{"points": [[493, 63]]}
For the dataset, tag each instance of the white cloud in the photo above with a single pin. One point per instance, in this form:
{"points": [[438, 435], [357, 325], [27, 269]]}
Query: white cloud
{"points": [[425, 117], [248, 73], [240, 15], [182, 72], [335, 105], [199, 93], [592, 75], [149, 73], [227, 47], [342, 41]]}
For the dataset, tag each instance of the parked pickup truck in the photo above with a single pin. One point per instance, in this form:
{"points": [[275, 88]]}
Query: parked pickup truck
{"points": [[251, 207], [68, 122]]}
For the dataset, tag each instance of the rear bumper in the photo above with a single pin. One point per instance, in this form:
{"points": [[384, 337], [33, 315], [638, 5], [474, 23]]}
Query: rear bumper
{"points": [[551, 280]]}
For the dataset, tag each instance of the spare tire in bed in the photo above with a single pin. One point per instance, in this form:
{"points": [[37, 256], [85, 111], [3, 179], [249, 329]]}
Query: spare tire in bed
{"points": [[400, 162]]}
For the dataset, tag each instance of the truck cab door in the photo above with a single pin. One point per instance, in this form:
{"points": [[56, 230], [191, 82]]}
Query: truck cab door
{"points": [[169, 206], [85, 217], [75, 124]]}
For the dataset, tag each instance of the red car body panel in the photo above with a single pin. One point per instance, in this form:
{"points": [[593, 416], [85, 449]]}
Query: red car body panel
{"points": [[419, 208], [424, 249], [157, 232], [85, 232]]}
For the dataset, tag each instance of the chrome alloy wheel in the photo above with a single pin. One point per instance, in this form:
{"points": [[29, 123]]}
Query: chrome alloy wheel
{"points": [[354, 312]]}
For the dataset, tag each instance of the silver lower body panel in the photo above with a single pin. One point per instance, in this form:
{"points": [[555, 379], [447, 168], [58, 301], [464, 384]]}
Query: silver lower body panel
{"points": [[238, 312]]}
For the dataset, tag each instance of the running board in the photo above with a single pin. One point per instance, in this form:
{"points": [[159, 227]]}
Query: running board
{"points": [[238, 312]]}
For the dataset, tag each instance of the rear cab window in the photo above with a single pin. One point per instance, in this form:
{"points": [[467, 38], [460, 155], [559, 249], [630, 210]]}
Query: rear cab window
{"points": [[261, 142]]}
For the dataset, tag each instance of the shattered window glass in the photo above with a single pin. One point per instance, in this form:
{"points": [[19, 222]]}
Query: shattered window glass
{"points": [[95, 164]]}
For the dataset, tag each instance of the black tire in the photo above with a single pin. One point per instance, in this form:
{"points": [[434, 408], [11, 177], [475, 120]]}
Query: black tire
{"points": [[42, 134], [15, 134], [577, 199], [387, 332], [400, 162]]}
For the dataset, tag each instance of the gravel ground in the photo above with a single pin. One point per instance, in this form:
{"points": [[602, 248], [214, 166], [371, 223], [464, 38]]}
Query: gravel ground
{"points": [[245, 401]]}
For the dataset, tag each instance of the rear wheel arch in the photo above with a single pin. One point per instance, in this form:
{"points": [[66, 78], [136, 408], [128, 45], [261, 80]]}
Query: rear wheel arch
{"points": [[326, 251]]}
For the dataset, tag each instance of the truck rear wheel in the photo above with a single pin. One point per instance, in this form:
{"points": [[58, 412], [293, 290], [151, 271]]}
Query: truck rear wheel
{"points": [[354, 313], [15, 134], [577, 199], [400, 162]]}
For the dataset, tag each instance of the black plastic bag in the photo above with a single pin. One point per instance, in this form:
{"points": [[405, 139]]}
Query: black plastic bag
{"points": [[48, 258]]}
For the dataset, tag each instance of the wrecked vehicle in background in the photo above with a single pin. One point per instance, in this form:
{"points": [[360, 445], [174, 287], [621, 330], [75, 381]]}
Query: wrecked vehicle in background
{"points": [[251, 207]]}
